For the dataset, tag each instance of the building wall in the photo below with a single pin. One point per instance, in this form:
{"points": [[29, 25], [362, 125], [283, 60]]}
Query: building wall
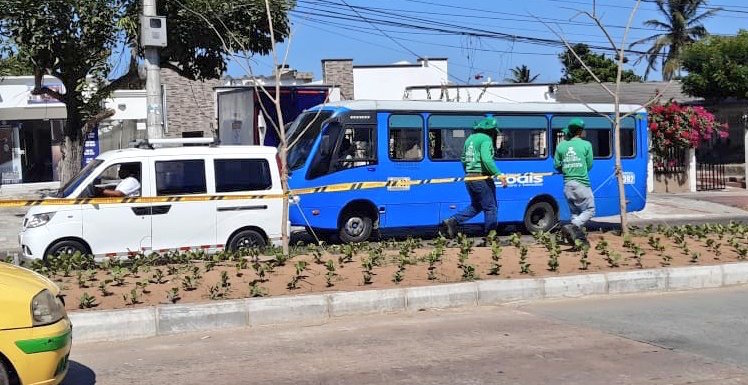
{"points": [[190, 105], [339, 73], [388, 82]]}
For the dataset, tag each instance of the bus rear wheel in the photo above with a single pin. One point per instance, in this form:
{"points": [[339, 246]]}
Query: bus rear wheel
{"points": [[540, 217], [355, 227]]}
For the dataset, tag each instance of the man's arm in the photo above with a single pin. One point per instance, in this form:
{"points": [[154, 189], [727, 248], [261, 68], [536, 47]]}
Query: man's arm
{"points": [[486, 157], [589, 157], [112, 193]]}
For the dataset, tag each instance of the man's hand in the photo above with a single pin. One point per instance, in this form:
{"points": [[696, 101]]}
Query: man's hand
{"points": [[502, 178]]}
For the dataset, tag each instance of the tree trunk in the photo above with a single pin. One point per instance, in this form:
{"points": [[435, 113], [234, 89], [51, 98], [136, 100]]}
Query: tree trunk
{"points": [[72, 146]]}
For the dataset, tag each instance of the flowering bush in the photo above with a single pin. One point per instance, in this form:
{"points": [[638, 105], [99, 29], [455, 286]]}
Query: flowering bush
{"points": [[674, 126]]}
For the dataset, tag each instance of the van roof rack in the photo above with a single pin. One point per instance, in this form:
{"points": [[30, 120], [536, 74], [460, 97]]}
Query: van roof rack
{"points": [[151, 143]]}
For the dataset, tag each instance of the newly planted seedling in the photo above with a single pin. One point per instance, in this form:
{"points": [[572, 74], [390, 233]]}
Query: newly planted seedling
{"points": [[367, 267], [495, 257], [103, 288], [349, 251], [189, 283], [695, 257], [330, 274], [434, 257], [524, 266], [261, 269], [173, 295], [613, 259], [133, 298], [158, 277], [118, 275], [300, 267], [584, 250], [255, 290], [86, 301]]}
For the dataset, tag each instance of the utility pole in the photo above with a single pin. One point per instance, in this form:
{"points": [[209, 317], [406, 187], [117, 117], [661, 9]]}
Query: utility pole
{"points": [[154, 120]]}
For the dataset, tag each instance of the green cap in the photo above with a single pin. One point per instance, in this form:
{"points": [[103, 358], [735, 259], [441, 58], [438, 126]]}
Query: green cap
{"points": [[574, 122], [486, 124]]}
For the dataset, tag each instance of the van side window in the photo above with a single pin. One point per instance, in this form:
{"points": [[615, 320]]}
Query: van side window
{"points": [[447, 135], [405, 137], [597, 131], [234, 175], [178, 177], [521, 137], [356, 148]]}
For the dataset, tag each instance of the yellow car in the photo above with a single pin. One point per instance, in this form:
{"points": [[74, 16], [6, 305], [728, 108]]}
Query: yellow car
{"points": [[35, 333]]}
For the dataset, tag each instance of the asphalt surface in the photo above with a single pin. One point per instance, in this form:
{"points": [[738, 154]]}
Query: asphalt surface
{"points": [[691, 338]]}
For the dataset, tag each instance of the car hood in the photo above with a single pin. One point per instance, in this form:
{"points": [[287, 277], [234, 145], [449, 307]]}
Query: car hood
{"points": [[13, 277]]}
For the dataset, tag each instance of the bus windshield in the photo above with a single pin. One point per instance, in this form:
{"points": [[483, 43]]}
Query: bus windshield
{"points": [[301, 137], [72, 184]]}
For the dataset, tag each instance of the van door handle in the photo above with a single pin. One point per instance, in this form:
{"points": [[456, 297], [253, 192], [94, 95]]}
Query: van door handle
{"points": [[141, 210], [160, 210]]}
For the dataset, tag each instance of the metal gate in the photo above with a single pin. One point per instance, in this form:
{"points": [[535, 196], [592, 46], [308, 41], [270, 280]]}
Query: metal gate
{"points": [[710, 166]]}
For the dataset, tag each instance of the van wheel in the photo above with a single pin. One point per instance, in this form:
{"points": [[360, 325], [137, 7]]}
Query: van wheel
{"points": [[540, 216], [355, 228], [67, 247], [246, 239]]}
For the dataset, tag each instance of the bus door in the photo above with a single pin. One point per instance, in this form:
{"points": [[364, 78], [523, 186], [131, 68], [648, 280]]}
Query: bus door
{"points": [[634, 157]]}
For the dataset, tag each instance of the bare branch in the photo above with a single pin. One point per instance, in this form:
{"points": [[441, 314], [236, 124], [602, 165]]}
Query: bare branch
{"points": [[40, 89], [569, 47], [94, 121], [650, 102], [600, 25]]}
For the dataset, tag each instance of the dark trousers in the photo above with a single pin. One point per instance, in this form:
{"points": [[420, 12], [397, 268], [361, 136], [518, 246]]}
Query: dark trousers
{"points": [[482, 198]]}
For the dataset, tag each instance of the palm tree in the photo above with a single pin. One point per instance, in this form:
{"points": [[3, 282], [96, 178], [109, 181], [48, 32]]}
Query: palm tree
{"points": [[682, 26], [521, 74]]}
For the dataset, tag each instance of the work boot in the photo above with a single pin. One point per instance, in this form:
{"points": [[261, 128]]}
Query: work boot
{"points": [[580, 235], [451, 226], [568, 233]]}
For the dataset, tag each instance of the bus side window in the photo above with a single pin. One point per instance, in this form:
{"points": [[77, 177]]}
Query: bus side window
{"points": [[405, 137], [521, 137], [447, 135], [357, 148], [598, 131]]}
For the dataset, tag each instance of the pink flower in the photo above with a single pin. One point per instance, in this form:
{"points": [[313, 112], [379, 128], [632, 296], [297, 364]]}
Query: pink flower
{"points": [[724, 134]]}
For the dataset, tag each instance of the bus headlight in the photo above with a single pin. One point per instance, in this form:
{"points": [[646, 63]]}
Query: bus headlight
{"points": [[46, 309], [37, 220]]}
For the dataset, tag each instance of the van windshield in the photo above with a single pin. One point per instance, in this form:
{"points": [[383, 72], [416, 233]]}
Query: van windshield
{"points": [[72, 184], [301, 136]]}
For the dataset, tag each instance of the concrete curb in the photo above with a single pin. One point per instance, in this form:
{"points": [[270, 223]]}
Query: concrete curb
{"points": [[115, 325]]}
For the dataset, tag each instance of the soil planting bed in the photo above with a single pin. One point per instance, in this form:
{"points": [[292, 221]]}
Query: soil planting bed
{"points": [[194, 277]]}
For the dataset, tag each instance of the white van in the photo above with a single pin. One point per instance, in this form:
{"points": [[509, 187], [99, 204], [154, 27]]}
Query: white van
{"points": [[127, 228]]}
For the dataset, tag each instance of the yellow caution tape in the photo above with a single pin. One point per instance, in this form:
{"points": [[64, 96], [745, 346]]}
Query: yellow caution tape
{"points": [[395, 184]]}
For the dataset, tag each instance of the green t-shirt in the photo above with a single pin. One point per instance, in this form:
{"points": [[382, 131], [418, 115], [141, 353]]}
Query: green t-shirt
{"points": [[574, 159], [477, 156]]}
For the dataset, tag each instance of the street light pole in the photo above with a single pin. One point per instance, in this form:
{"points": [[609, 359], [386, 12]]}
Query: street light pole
{"points": [[154, 120]]}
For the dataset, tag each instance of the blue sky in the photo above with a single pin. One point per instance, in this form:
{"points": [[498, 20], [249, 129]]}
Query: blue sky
{"points": [[315, 39]]}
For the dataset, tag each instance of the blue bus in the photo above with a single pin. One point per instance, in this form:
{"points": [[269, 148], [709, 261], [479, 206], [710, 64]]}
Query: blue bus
{"points": [[402, 142]]}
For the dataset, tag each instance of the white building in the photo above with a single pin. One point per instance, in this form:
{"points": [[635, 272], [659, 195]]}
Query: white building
{"points": [[31, 128]]}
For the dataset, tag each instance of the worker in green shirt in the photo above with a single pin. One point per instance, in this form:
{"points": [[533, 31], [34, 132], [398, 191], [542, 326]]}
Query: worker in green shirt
{"points": [[574, 159], [478, 161]]}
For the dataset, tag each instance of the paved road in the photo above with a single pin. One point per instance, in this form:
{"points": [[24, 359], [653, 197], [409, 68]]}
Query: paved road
{"points": [[710, 323], [667, 339]]}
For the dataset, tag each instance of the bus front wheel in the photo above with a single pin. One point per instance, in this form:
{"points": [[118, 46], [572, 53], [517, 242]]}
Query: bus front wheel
{"points": [[355, 227], [540, 216]]}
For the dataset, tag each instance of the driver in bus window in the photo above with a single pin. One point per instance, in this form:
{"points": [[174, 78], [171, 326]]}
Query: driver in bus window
{"points": [[129, 186]]}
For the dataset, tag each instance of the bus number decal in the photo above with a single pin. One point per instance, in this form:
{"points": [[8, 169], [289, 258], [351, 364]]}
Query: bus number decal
{"points": [[398, 184]]}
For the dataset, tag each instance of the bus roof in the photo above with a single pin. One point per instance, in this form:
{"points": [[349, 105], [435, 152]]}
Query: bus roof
{"points": [[440, 106]]}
